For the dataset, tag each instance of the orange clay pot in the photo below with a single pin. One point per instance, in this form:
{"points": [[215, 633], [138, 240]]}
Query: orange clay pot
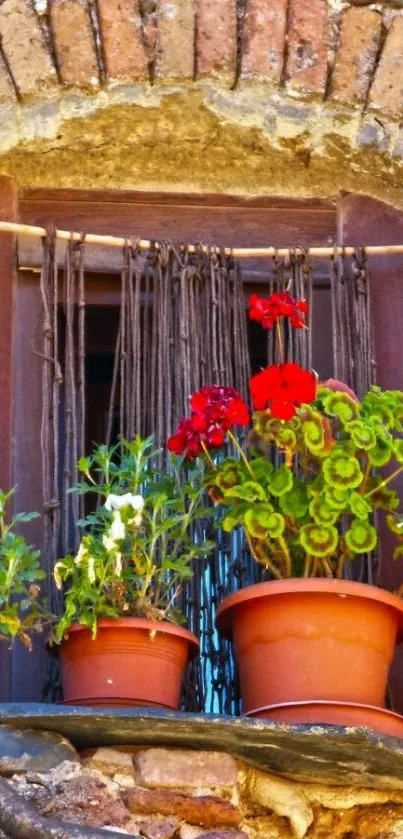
{"points": [[303, 640], [132, 661], [334, 713]]}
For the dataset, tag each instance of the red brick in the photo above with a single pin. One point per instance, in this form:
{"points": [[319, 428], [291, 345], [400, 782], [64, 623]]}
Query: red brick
{"points": [[307, 52], [216, 34], [25, 50], [387, 90], [175, 44], [357, 50], [205, 810], [74, 43], [263, 39], [87, 801], [124, 52], [179, 768]]}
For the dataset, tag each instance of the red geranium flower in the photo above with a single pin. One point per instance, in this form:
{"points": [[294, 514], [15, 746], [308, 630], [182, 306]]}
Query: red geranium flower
{"points": [[283, 388], [219, 405], [186, 440], [268, 310]]}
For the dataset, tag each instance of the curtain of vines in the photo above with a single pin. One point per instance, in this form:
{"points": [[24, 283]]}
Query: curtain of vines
{"points": [[182, 324]]}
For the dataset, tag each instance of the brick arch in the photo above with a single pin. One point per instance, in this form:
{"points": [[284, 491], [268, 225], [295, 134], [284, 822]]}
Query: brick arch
{"points": [[308, 75]]}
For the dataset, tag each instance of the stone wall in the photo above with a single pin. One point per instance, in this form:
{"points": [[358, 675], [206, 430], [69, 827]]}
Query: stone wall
{"points": [[161, 793], [280, 97]]}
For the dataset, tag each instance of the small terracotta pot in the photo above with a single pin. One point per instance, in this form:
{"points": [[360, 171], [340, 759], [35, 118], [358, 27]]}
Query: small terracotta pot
{"points": [[132, 661], [302, 640]]}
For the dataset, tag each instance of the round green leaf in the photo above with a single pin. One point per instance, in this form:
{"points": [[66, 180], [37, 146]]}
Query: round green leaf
{"points": [[361, 537], [341, 405], [281, 481], [257, 520], [276, 525], [313, 432], [319, 539], [321, 512], [248, 491], [295, 502], [381, 454], [336, 497], [359, 506], [342, 470], [362, 434]]}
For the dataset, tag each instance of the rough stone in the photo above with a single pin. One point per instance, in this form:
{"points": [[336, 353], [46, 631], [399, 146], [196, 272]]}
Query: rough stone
{"points": [[307, 50], [24, 47], [356, 55], [32, 751], [124, 52], [225, 834], [7, 91], [216, 31], [110, 762], [88, 801], [206, 810], [74, 43], [177, 768], [175, 44], [154, 827], [263, 40], [387, 90]]}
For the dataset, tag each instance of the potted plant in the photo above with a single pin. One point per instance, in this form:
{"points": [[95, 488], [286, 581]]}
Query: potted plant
{"points": [[305, 491], [120, 634], [22, 613]]}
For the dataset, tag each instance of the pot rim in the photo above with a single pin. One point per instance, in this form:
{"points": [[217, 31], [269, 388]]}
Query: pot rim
{"points": [[145, 624], [340, 588]]}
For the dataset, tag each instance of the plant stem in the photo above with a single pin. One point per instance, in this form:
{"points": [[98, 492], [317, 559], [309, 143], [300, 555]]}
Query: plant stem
{"points": [[327, 567], [242, 453], [280, 342], [340, 566], [307, 566], [287, 557], [208, 455], [385, 482], [267, 562]]}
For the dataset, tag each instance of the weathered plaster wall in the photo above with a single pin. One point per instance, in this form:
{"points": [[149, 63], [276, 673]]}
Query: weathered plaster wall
{"points": [[298, 98]]}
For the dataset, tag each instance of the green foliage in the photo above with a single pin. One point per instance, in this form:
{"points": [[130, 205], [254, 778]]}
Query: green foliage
{"points": [[21, 610], [307, 489], [139, 544]]}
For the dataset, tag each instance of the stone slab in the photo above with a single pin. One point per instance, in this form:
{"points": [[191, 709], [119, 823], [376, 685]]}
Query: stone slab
{"points": [[320, 753], [32, 750]]}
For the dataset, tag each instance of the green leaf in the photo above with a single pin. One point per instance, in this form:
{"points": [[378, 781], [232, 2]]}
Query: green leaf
{"points": [[249, 491], [260, 521], [395, 524], [398, 450], [359, 506], [337, 497], [319, 540], [281, 481], [313, 432], [382, 452], [398, 552], [362, 434], [342, 470], [361, 537], [295, 502], [321, 512], [341, 405], [235, 517]]}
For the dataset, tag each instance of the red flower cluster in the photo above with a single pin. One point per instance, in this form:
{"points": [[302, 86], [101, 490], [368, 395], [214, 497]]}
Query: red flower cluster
{"points": [[282, 388], [215, 410], [268, 310]]}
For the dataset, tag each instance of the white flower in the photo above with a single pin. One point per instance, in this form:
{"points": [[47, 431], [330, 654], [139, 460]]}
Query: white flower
{"points": [[108, 543], [81, 554], [117, 529], [116, 502], [118, 563], [91, 569]]}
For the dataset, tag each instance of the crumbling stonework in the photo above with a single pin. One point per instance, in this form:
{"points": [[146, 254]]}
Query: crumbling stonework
{"points": [[116, 788]]}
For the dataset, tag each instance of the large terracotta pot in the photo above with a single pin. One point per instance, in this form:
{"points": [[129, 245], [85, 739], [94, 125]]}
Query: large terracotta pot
{"points": [[311, 640], [132, 661]]}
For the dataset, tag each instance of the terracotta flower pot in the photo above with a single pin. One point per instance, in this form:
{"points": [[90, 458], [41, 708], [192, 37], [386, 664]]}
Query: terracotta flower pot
{"points": [[304, 640], [132, 661], [334, 713]]}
